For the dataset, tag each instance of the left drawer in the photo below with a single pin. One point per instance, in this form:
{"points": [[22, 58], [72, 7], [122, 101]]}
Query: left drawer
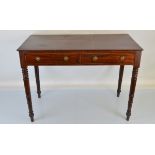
{"points": [[52, 58]]}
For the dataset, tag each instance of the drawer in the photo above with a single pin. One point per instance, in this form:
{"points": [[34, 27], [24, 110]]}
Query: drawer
{"points": [[106, 58], [52, 59]]}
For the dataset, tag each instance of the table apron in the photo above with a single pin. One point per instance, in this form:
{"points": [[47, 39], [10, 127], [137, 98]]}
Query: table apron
{"points": [[79, 58]]}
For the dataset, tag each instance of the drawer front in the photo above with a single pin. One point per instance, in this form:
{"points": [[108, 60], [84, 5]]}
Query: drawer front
{"points": [[52, 59], [107, 59]]}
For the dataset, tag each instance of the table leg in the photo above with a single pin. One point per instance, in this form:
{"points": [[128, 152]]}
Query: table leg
{"points": [[36, 68], [132, 91], [121, 70], [28, 92]]}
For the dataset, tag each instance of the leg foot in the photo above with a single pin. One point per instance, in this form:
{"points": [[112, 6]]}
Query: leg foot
{"points": [[39, 96], [128, 114], [127, 118], [118, 93], [31, 117]]}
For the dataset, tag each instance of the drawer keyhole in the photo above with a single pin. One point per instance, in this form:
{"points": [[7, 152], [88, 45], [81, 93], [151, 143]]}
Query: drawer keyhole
{"points": [[95, 58], [37, 58], [66, 58], [122, 58]]}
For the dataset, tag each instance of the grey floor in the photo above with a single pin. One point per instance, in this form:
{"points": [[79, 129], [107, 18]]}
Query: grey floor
{"points": [[77, 106]]}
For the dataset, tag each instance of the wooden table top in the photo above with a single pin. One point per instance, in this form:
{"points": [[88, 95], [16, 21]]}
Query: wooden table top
{"points": [[80, 42]]}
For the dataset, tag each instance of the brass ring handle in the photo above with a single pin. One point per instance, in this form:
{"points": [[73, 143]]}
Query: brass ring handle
{"points": [[95, 58], [37, 58], [66, 58], [122, 58]]}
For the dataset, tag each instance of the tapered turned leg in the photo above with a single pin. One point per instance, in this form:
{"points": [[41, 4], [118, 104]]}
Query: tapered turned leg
{"points": [[121, 70], [28, 92], [36, 68], [132, 91]]}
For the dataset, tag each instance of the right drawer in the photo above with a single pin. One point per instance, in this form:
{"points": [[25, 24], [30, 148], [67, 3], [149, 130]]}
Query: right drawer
{"points": [[107, 59]]}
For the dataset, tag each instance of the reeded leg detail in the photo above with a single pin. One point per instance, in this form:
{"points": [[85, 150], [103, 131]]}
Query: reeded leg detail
{"points": [[36, 68], [28, 92], [132, 91], [121, 70]]}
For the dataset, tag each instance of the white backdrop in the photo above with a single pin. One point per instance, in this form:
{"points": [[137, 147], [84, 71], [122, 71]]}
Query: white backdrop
{"points": [[10, 71]]}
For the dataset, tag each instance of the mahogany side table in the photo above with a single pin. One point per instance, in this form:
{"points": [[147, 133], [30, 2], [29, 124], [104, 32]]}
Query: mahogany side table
{"points": [[71, 50]]}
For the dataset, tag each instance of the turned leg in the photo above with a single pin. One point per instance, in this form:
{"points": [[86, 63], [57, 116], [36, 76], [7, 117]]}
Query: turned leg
{"points": [[121, 70], [132, 91], [28, 92], [36, 68]]}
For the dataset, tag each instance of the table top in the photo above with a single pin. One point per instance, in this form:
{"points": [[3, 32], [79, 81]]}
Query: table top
{"points": [[80, 42]]}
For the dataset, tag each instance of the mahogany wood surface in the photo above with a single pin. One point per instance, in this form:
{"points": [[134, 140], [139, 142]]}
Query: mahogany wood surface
{"points": [[80, 42], [70, 50]]}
